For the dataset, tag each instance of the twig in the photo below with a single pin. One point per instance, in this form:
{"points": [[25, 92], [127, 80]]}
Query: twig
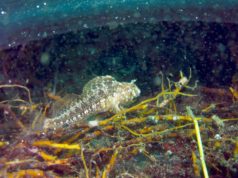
{"points": [[199, 142], [84, 163], [18, 86]]}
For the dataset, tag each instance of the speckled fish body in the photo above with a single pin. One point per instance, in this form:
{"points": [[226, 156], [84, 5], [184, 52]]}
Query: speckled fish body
{"points": [[100, 94]]}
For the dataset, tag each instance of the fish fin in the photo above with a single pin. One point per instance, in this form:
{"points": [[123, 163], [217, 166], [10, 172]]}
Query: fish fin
{"points": [[63, 103]]}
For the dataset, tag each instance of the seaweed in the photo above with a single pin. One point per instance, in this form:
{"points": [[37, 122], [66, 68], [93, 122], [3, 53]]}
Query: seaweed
{"points": [[160, 136]]}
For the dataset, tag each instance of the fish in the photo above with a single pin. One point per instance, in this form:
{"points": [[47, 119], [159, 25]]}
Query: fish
{"points": [[100, 94]]}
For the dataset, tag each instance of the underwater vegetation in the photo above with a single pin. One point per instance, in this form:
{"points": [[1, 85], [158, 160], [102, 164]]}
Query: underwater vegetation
{"points": [[154, 137], [182, 124]]}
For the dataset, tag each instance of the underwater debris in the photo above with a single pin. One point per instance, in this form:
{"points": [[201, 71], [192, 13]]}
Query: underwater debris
{"points": [[100, 94], [154, 138]]}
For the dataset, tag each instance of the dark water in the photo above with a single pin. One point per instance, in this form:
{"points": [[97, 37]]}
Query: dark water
{"points": [[134, 51]]}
